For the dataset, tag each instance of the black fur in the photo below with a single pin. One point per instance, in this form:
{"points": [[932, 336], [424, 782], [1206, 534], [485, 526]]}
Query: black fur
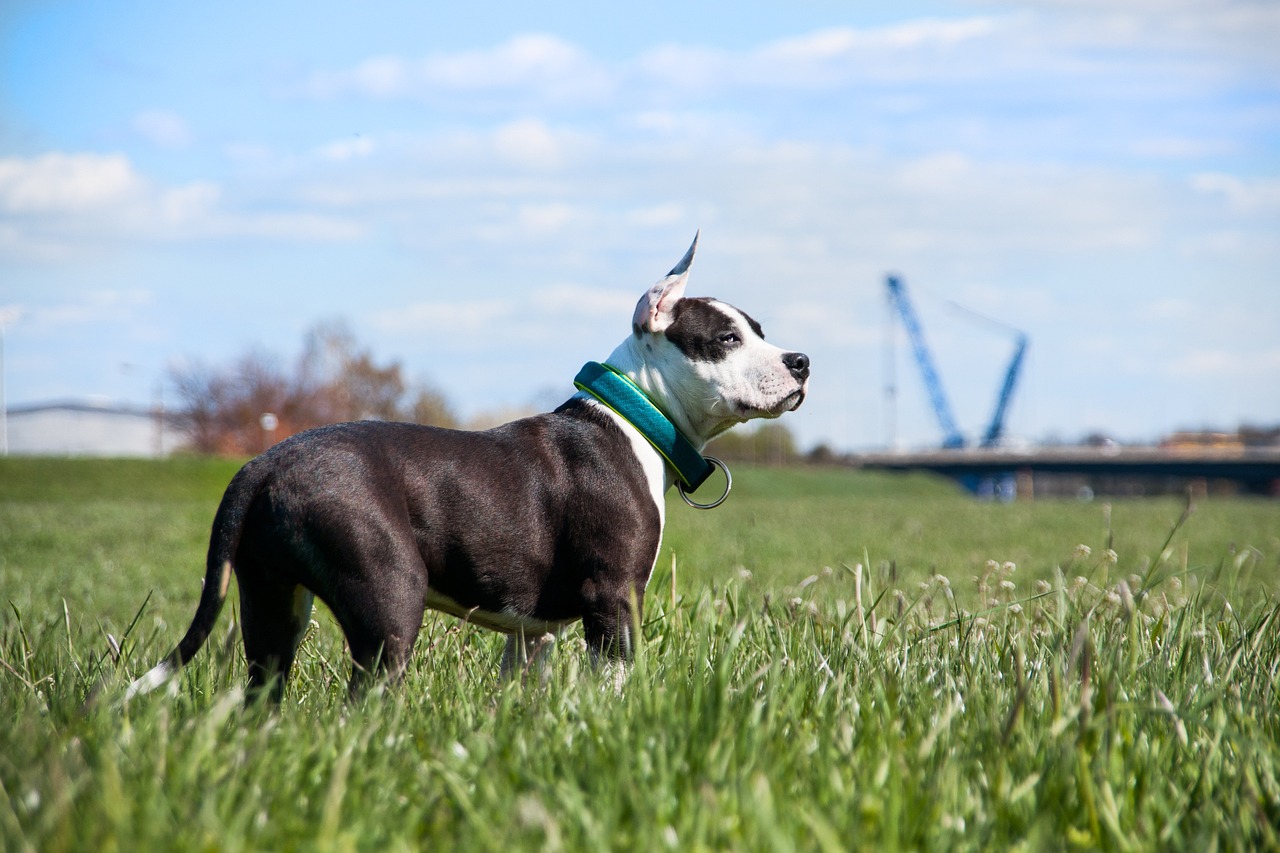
{"points": [[547, 518], [703, 332]]}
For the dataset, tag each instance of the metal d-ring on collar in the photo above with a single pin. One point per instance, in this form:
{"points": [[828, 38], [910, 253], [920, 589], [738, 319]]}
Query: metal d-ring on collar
{"points": [[728, 484]]}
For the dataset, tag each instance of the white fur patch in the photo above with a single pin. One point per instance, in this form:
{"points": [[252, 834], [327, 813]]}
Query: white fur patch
{"points": [[753, 380], [504, 622], [651, 461], [150, 680], [655, 469]]}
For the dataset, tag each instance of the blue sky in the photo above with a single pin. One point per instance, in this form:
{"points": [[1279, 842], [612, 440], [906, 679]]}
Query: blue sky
{"points": [[482, 192]]}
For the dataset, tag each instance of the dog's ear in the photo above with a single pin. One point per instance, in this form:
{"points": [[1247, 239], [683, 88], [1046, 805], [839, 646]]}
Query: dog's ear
{"points": [[653, 311]]}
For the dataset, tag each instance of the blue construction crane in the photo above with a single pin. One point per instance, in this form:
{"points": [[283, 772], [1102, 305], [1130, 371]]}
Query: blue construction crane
{"points": [[952, 438], [898, 297], [995, 430]]}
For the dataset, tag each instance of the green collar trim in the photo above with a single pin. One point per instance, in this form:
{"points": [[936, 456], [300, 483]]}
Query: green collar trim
{"points": [[616, 391]]}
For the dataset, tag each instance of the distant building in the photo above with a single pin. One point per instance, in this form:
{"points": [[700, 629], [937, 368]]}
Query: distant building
{"points": [[68, 428], [1203, 440]]}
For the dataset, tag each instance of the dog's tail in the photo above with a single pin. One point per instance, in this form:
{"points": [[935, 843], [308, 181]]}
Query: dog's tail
{"points": [[228, 524]]}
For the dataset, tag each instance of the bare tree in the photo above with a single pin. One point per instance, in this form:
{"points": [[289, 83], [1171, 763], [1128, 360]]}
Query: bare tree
{"points": [[335, 380]]}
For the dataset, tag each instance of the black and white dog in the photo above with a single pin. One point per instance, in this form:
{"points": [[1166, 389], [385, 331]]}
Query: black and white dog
{"points": [[524, 529]]}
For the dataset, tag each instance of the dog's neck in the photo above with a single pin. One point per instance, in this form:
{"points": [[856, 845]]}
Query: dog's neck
{"points": [[698, 429]]}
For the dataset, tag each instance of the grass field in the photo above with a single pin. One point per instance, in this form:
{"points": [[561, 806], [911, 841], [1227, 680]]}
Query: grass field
{"points": [[831, 661]]}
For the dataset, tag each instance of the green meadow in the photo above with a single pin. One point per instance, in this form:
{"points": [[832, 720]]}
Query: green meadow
{"points": [[832, 660]]}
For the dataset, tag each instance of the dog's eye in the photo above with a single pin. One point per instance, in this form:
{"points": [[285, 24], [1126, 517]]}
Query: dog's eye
{"points": [[730, 338]]}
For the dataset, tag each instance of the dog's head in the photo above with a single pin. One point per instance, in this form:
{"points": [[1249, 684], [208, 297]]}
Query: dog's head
{"points": [[710, 360]]}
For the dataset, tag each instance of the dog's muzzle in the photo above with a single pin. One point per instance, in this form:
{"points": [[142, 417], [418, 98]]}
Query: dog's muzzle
{"points": [[798, 364]]}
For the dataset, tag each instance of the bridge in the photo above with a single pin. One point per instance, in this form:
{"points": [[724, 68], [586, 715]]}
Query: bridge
{"points": [[1254, 470]]}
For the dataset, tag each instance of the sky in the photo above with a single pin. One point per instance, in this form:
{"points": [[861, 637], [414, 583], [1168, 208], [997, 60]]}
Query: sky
{"points": [[482, 191]]}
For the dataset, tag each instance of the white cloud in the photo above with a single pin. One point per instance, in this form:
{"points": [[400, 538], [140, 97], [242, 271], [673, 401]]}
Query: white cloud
{"points": [[379, 77], [534, 63], [163, 128], [343, 150], [248, 152], [59, 206], [847, 50], [105, 306], [543, 61], [1242, 30], [102, 190], [1180, 147], [1017, 50], [1252, 196], [66, 183], [445, 319], [660, 215], [293, 226], [816, 322], [554, 70], [594, 303], [521, 319], [1226, 364], [530, 143], [827, 57], [1168, 309], [546, 218]]}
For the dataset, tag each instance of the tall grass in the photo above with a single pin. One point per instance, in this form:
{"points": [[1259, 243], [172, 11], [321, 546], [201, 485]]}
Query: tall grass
{"points": [[955, 686]]}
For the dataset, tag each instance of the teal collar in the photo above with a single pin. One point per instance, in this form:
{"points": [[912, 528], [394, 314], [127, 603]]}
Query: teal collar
{"points": [[616, 391]]}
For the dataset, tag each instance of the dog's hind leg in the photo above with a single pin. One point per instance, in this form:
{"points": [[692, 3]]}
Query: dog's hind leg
{"points": [[273, 620], [381, 615], [526, 653]]}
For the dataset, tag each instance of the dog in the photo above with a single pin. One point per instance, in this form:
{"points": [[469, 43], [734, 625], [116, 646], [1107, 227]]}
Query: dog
{"points": [[524, 529]]}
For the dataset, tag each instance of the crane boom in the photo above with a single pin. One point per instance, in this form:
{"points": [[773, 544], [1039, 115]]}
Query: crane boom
{"points": [[941, 408], [996, 428]]}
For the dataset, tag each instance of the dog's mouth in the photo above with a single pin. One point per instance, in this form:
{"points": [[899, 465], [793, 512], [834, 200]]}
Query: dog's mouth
{"points": [[789, 403], [793, 400]]}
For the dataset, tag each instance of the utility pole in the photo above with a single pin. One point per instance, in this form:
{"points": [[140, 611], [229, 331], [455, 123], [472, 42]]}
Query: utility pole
{"points": [[8, 315], [4, 406]]}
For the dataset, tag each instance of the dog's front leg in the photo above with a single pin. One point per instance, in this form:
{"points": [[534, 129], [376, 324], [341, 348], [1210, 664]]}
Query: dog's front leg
{"points": [[611, 643], [525, 653], [613, 671]]}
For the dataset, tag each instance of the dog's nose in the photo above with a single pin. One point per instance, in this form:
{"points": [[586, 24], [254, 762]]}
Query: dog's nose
{"points": [[798, 364]]}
